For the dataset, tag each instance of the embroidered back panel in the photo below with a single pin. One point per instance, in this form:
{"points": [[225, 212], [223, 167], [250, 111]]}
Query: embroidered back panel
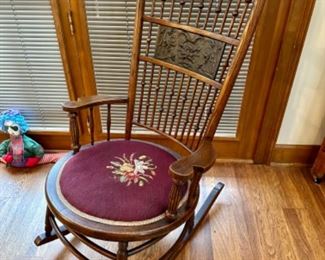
{"points": [[191, 51]]}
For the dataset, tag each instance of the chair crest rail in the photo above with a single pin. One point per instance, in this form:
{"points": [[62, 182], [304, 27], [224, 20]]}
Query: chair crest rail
{"points": [[191, 29]]}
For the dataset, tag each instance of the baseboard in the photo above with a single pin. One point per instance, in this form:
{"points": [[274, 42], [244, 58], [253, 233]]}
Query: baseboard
{"points": [[227, 147], [294, 154]]}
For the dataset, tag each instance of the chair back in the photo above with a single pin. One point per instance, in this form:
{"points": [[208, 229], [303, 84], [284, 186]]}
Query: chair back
{"points": [[185, 59]]}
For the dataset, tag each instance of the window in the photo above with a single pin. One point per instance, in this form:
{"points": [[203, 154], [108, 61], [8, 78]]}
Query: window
{"points": [[31, 73]]}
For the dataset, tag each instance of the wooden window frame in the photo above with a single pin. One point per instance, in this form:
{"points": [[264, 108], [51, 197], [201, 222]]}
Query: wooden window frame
{"points": [[281, 31]]}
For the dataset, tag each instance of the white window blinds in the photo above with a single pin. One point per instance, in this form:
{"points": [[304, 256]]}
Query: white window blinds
{"points": [[110, 25], [31, 73]]}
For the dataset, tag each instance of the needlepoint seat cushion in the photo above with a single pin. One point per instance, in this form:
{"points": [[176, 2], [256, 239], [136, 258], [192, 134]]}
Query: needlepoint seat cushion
{"points": [[123, 181]]}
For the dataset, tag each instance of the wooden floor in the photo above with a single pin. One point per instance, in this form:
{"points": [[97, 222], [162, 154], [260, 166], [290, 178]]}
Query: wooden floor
{"points": [[263, 213]]}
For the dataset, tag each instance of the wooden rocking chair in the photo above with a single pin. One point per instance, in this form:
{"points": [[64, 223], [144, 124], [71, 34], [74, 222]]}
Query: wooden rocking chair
{"points": [[185, 59]]}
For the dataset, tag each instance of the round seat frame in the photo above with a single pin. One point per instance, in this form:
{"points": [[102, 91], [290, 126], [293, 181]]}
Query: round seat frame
{"points": [[82, 228]]}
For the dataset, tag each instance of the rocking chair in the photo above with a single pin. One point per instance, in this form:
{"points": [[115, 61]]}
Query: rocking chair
{"points": [[185, 60]]}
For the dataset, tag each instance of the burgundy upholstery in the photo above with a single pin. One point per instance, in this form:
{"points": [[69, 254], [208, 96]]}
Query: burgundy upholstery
{"points": [[118, 180]]}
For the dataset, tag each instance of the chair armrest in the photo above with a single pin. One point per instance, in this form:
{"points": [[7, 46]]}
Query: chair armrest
{"points": [[85, 102], [189, 167], [202, 159]]}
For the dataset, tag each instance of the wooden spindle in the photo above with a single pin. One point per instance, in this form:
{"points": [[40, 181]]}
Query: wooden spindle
{"points": [[197, 126], [171, 11], [194, 114], [91, 124], [162, 8], [208, 14], [209, 112], [152, 13], [183, 105], [242, 18], [181, 3], [161, 109], [153, 6], [190, 12], [148, 104], [235, 13], [74, 130], [227, 62], [108, 122], [156, 97], [198, 17], [189, 109], [217, 13], [143, 83], [170, 100], [225, 17], [180, 86]]}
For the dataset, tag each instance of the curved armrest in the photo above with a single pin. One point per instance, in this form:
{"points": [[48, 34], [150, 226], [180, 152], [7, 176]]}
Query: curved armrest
{"points": [[85, 102], [202, 159]]}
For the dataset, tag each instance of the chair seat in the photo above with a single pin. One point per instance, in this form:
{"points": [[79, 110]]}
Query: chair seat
{"points": [[117, 181]]}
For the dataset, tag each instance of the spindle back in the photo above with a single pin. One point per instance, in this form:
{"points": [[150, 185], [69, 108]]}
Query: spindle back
{"points": [[186, 56]]}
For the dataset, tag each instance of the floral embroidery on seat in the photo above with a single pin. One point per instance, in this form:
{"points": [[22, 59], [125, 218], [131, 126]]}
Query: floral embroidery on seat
{"points": [[133, 170]]}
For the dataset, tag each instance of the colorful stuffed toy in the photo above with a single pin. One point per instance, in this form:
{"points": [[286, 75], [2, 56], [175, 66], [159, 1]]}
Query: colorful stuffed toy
{"points": [[20, 150]]}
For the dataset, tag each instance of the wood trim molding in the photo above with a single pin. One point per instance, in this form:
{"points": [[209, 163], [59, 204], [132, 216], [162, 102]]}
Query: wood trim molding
{"points": [[294, 154], [291, 48], [268, 37], [50, 140], [226, 147], [72, 33]]}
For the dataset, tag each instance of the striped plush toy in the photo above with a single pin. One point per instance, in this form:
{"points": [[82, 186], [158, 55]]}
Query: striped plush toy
{"points": [[20, 150]]}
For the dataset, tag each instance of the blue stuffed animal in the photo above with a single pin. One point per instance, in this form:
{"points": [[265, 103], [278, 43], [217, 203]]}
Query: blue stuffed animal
{"points": [[19, 150]]}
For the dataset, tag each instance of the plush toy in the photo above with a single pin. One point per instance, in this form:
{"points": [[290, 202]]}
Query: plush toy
{"points": [[20, 150]]}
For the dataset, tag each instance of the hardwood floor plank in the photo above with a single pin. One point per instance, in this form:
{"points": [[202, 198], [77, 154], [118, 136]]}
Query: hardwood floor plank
{"points": [[232, 236], [301, 243], [262, 213]]}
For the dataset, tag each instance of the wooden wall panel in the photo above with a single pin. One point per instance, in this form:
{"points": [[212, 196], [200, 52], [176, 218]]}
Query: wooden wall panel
{"points": [[291, 48]]}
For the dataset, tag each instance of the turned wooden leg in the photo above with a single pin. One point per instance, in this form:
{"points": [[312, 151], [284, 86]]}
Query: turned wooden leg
{"points": [[49, 234], [175, 197], [122, 253], [48, 228]]}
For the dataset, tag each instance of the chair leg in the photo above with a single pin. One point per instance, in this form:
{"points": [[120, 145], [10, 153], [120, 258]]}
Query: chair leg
{"points": [[193, 223], [48, 228], [49, 234], [122, 252]]}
